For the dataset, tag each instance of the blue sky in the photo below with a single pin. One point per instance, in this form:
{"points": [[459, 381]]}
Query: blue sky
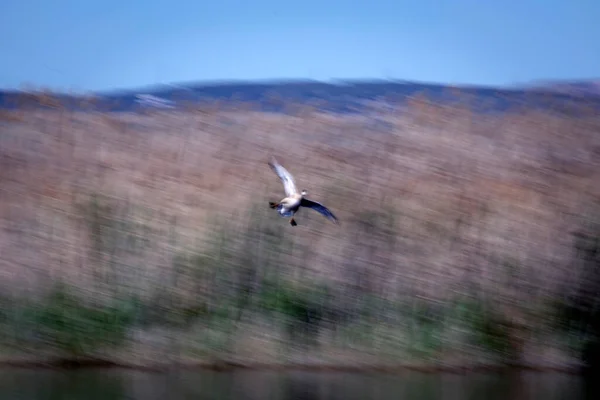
{"points": [[92, 45]]}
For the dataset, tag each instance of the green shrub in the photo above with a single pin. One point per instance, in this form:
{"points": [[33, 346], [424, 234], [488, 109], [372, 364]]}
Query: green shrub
{"points": [[64, 320]]}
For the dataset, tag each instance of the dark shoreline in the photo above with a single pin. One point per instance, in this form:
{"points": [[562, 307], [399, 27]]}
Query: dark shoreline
{"points": [[74, 364]]}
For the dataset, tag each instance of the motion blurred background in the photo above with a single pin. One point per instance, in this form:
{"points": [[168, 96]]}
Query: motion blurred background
{"points": [[135, 226]]}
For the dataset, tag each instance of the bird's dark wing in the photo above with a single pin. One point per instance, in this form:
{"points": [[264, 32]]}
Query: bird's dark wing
{"points": [[319, 208]]}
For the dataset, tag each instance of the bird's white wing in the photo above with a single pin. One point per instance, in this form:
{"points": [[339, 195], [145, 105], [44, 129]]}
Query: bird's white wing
{"points": [[288, 180], [319, 208]]}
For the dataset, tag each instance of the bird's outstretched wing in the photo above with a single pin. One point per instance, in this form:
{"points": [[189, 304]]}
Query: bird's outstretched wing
{"points": [[288, 180], [319, 208]]}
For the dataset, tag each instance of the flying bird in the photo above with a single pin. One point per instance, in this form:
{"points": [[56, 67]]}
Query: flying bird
{"points": [[289, 205]]}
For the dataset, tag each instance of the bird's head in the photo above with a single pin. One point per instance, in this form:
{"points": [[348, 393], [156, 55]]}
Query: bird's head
{"points": [[304, 192]]}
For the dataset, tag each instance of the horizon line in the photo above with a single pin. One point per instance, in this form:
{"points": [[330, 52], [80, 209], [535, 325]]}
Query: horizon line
{"points": [[330, 81]]}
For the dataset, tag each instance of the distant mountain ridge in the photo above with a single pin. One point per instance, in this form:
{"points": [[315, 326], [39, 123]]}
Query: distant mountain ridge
{"points": [[337, 96], [582, 88]]}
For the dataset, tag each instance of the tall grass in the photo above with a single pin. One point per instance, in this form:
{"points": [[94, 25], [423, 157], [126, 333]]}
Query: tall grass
{"points": [[147, 237]]}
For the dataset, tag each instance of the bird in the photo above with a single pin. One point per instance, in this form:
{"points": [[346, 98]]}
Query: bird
{"points": [[289, 205]]}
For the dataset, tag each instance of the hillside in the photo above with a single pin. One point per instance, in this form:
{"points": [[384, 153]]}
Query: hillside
{"points": [[340, 96]]}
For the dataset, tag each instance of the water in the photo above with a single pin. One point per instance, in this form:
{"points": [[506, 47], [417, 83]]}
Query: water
{"points": [[122, 384]]}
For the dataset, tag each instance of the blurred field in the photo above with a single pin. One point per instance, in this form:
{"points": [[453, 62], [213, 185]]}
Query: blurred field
{"points": [[147, 238]]}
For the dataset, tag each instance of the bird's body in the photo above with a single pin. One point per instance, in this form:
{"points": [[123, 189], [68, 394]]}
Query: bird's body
{"points": [[289, 205]]}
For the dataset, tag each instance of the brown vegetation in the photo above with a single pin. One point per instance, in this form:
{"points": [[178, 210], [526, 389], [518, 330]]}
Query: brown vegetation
{"points": [[443, 212]]}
